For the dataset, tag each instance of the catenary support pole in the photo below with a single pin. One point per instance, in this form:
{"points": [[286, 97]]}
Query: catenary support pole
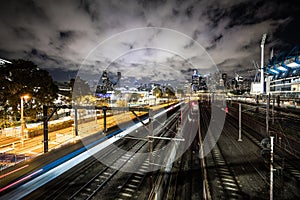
{"points": [[45, 118], [150, 140], [267, 115], [22, 121], [273, 113], [104, 119], [76, 120], [271, 169], [240, 122]]}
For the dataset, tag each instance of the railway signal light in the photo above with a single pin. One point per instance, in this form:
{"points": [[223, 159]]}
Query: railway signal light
{"points": [[266, 151], [266, 143], [226, 110]]}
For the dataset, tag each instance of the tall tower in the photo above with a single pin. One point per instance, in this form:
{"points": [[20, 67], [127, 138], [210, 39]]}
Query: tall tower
{"points": [[262, 79], [119, 79]]}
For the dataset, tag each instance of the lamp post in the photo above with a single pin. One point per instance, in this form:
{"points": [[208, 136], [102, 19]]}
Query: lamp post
{"points": [[240, 122], [23, 126]]}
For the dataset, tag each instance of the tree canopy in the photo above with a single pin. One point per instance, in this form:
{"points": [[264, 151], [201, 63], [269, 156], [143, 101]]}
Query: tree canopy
{"points": [[169, 91], [24, 77], [157, 92]]}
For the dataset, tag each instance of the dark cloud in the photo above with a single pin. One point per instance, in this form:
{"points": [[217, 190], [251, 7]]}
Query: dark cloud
{"points": [[175, 12], [212, 47], [90, 8], [23, 33], [129, 45], [34, 52], [217, 38], [26, 11], [195, 36], [189, 11], [65, 35], [151, 4], [244, 14], [214, 14], [60, 34], [41, 56]]}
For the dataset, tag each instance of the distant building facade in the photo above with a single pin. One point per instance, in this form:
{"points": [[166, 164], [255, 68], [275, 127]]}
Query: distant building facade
{"points": [[283, 74]]}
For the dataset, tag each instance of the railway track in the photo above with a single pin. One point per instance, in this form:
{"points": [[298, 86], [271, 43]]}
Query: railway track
{"points": [[284, 158], [184, 180], [88, 190], [225, 181], [104, 177], [284, 120], [172, 188], [286, 165], [244, 158], [285, 128]]}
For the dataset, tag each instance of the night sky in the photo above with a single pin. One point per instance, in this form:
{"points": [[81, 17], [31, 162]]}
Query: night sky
{"points": [[64, 36]]}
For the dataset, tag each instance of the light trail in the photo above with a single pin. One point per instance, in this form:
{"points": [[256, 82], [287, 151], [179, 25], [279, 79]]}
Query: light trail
{"points": [[58, 167], [4, 175], [20, 180]]}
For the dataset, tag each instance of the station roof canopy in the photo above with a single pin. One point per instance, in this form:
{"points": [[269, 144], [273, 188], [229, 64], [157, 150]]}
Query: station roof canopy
{"points": [[282, 68], [274, 71], [293, 65]]}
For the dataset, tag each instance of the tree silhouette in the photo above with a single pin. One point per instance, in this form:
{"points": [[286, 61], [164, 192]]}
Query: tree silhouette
{"points": [[157, 92], [24, 77]]}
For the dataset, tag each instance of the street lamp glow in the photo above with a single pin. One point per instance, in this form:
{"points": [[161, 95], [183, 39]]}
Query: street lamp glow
{"points": [[25, 97]]}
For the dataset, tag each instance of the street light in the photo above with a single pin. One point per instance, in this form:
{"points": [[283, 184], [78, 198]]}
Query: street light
{"points": [[23, 97]]}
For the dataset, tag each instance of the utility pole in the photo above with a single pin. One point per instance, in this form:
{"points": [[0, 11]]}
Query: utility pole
{"points": [[271, 169], [23, 125], [76, 120], [240, 122], [104, 119], [267, 114], [150, 140], [45, 123], [22, 121], [273, 104]]}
